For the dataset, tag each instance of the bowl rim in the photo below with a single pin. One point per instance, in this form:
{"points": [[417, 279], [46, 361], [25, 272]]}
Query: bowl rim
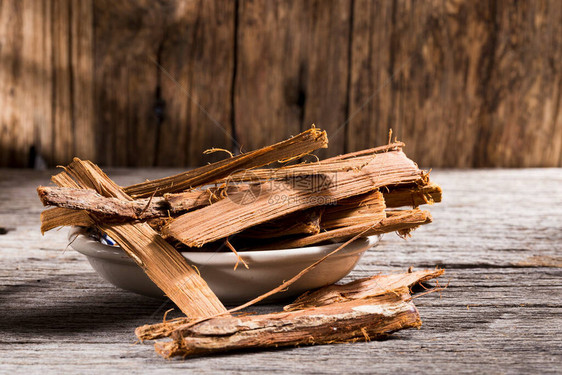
{"points": [[90, 247]]}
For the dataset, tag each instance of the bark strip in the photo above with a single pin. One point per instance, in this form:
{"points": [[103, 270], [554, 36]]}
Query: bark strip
{"points": [[361, 209], [413, 196], [274, 199], [394, 146], [60, 217], [402, 222], [160, 261], [296, 146], [302, 169], [362, 288], [89, 200], [303, 222], [358, 320]]}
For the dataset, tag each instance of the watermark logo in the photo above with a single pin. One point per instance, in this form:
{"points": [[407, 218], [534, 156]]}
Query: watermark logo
{"points": [[243, 187]]}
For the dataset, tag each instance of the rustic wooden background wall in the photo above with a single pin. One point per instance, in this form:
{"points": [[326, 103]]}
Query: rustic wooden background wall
{"points": [[154, 83]]}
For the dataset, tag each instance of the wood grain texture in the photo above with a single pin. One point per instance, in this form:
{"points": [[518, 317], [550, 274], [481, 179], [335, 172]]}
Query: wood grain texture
{"points": [[196, 76], [291, 70], [417, 68], [500, 313], [524, 87], [16, 133], [82, 71], [461, 83], [143, 83], [126, 39]]}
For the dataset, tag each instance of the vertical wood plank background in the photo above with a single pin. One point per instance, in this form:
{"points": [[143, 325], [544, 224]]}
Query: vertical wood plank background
{"points": [[143, 83]]}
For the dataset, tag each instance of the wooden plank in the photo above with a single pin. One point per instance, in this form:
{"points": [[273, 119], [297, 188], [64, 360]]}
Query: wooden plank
{"points": [[62, 81], [411, 75], [523, 87], [47, 101], [195, 81], [492, 317], [291, 70], [474, 78], [126, 39], [369, 91], [82, 85], [16, 132], [327, 62], [36, 105]]}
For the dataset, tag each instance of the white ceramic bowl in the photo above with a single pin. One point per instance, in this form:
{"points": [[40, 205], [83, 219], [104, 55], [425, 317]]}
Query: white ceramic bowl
{"points": [[268, 269]]}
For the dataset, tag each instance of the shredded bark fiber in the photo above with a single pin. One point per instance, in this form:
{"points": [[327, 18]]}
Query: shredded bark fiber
{"points": [[58, 217], [414, 196], [362, 288]]}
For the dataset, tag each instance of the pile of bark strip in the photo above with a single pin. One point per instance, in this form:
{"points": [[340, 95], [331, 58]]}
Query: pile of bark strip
{"points": [[261, 200]]}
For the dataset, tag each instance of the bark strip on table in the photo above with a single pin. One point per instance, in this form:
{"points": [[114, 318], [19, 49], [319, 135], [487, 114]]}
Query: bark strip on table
{"points": [[160, 261], [296, 146], [362, 288], [274, 199], [357, 320]]}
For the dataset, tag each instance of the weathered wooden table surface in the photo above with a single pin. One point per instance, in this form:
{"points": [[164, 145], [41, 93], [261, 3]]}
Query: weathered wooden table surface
{"points": [[498, 234]]}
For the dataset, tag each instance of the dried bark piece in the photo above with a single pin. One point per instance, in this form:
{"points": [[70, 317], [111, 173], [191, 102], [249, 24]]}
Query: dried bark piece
{"points": [[296, 146], [192, 199], [362, 288], [396, 197], [110, 208], [361, 209], [302, 169], [160, 261], [413, 196], [268, 201], [59, 217], [402, 222], [302, 222], [116, 210], [394, 146], [365, 208], [357, 320], [166, 267]]}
